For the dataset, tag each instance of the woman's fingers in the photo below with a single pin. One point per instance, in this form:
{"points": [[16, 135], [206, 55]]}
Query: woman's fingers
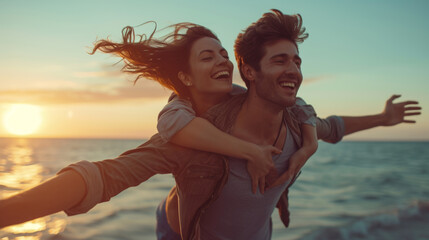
{"points": [[262, 185], [275, 150], [254, 184], [283, 178]]}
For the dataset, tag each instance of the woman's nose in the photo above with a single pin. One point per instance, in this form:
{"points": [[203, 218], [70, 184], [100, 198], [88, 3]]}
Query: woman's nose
{"points": [[222, 60]]}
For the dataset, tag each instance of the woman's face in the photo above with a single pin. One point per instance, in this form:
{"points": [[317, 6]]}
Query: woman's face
{"points": [[210, 68]]}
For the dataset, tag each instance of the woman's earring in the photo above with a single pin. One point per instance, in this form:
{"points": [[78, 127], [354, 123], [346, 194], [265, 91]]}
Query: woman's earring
{"points": [[184, 79]]}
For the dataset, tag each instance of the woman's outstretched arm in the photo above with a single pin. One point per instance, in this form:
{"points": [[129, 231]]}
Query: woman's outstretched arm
{"points": [[56, 194]]}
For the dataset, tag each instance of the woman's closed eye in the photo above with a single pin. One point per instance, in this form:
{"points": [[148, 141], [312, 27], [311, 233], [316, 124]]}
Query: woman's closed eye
{"points": [[206, 57]]}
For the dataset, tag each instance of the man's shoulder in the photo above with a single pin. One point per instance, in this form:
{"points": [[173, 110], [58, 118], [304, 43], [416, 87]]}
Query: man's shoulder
{"points": [[232, 102], [223, 114]]}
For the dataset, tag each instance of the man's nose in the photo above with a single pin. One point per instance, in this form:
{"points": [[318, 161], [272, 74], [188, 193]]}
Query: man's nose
{"points": [[293, 67], [292, 70]]}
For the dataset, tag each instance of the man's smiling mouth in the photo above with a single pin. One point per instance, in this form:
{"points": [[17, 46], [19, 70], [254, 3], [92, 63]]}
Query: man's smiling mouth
{"points": [[290, 85]]}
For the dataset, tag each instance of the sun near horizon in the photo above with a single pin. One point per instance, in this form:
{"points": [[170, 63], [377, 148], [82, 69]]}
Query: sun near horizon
{"points": [[22, 119]]}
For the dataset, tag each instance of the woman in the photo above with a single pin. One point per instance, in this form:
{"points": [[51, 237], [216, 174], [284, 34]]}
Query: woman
{"points": [[191, 62]]}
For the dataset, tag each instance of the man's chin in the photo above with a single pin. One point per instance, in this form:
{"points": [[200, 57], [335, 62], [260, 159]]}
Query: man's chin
{"points": [[289, 102]]}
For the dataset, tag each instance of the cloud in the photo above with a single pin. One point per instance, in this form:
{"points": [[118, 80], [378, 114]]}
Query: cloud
{"points": [[95, 74], [110, 71], [310, 80], [89, 94], [99, 93]]}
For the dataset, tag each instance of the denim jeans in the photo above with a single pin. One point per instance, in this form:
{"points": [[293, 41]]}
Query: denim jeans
{"points": [[163, 229]]}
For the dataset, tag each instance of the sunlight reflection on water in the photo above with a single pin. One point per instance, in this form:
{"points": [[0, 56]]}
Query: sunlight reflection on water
{"points": [[18, 172]]}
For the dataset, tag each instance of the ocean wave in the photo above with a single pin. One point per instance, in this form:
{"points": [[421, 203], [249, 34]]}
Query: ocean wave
{"points": [[6, 188], [100, 217], [409, 222]]}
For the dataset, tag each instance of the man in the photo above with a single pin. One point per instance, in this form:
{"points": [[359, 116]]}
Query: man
{"points": [[213, 197]]}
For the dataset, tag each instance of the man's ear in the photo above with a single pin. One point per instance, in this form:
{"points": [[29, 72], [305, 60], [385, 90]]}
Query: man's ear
{"points": [[249, 72], [183, 77]]}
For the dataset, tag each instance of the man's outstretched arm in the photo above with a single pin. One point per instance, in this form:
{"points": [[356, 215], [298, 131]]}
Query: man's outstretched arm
{"points": [[56, 194], [393, 114], [333, 128]]}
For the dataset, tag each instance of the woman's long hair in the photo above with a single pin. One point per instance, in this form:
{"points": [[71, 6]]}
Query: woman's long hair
{"points": [[157, 59]]}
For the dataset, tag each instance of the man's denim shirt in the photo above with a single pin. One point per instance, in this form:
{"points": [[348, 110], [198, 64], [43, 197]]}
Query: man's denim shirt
{"points": [[199, 175]]}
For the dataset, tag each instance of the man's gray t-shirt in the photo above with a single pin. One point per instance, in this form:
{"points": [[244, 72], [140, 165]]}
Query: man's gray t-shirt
{"points": [[238, 213]]}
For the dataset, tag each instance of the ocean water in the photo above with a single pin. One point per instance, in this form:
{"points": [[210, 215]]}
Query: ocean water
{"points": [[351, 190]]}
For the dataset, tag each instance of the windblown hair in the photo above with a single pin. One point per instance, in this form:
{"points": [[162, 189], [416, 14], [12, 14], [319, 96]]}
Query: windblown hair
{"points": [[157, 59], [250, 45]]}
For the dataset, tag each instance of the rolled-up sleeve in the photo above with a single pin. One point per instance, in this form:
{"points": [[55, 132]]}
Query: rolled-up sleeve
{"points": [[304, 112], [94, 185], [173, 117], [330, 129]]}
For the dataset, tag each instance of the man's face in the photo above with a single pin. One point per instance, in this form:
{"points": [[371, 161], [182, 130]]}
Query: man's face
{"points": [[280, 76]]}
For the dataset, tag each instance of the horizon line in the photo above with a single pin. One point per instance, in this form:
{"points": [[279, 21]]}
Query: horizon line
{"points": [[147, 138]]}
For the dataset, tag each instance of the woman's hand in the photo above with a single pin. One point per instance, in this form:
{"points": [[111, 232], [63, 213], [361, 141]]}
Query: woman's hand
{"points": [[259, 164], [286, 177], [296, 162]]}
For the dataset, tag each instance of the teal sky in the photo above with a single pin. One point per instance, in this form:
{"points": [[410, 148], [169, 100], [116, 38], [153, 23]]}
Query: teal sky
{"points": [[357, 55]]}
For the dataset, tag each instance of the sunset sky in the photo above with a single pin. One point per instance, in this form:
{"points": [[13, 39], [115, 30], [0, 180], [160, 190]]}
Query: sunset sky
{"points": [[358, 54]]}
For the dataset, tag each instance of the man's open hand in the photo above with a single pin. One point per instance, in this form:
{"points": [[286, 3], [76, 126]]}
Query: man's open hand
{"points": [[395, 113]]}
